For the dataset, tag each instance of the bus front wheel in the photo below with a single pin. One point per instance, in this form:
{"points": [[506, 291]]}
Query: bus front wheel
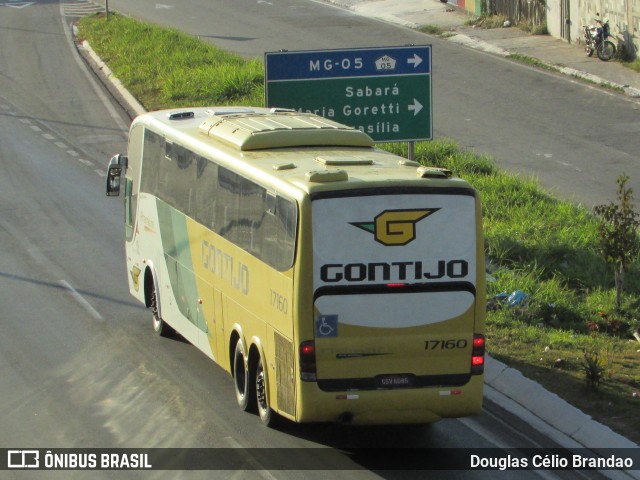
{"points": [[242, 378], [161, 327]]}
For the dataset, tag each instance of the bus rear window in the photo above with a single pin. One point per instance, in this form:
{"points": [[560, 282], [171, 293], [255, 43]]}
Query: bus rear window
{"points": [[427, 237]]}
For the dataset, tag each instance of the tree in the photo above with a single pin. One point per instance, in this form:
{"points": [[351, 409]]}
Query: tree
{"points": [[618, 240]]}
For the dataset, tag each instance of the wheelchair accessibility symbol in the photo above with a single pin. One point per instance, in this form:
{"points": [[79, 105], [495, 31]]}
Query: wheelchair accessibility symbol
{"points": [[327, 326]]}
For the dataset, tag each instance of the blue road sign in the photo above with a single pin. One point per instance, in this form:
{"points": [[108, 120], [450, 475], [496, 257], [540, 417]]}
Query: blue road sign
{"points": [[371, 62], [384, 91]]}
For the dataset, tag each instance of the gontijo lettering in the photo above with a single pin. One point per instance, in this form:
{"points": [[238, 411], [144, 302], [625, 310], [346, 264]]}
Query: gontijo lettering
{"points": [[394, 271], [224, 266]]}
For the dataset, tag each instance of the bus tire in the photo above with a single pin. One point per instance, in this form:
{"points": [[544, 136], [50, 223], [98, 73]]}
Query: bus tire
{"points": [[161, 327], [242, 379], [267, 415]]}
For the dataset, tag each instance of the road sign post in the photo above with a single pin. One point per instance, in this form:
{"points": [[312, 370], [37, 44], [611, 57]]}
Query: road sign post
{"points": [[384, 91]]}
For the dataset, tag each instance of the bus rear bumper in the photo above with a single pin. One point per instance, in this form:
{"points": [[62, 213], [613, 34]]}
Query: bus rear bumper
{"points": [[385, 407]]}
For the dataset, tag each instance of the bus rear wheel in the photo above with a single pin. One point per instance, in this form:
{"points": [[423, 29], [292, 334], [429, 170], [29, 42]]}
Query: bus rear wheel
{"points": [[242, 379], [267, 415]]}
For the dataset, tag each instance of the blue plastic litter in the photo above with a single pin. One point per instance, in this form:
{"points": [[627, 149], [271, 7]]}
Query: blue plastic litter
{"points": [[517, 298]]}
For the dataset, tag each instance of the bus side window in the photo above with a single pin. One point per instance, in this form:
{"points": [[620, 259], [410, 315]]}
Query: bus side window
{"points": [[206, 193], [129, 205], [152, 152]]}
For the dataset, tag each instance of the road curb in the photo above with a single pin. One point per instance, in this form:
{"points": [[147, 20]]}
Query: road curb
{"points": [[466, 40], [550, 408], [133, 107]]}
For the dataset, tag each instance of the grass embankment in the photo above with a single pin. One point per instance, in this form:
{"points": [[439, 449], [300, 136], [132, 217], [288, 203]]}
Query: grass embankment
{"points": [[534, 242], [165, 68]]}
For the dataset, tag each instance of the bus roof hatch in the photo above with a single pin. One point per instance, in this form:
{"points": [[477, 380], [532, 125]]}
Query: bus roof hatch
{"points": [[276, 129]]}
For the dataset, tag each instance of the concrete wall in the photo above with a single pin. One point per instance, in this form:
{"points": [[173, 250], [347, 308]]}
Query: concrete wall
{"points": [[554, 19], [623, 15]]}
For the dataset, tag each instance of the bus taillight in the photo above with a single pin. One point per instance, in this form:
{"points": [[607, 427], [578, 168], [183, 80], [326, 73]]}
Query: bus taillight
{"points": [[308, 361], [477, 355]]}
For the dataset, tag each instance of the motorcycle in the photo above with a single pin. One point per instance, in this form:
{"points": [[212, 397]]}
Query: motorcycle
{"points": [[597, 39]]}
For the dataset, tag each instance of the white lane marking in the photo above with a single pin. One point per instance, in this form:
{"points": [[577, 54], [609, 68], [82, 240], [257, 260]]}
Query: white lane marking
{"points": [[261, 472], [81, 300]]}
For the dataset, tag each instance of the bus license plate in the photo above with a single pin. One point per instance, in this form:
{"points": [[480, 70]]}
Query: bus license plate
{"points": [[395, 381]]}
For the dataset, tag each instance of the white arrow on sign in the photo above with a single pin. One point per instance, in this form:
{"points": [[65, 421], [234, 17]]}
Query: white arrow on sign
{"points": [[416, 60], [416, 107]]}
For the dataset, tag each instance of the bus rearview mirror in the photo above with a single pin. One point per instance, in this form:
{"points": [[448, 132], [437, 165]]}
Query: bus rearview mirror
{"points": [[114, 173]]}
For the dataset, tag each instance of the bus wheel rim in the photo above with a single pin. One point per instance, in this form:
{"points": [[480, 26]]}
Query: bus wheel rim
{"points": [[154, 311], [261, 392]]}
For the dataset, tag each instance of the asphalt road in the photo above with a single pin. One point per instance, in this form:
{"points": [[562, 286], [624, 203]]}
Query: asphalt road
{"points": [[80, 364]]}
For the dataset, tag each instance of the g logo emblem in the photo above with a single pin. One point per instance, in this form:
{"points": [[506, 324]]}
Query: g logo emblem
{"points": [[135, 276], [395, 227]]}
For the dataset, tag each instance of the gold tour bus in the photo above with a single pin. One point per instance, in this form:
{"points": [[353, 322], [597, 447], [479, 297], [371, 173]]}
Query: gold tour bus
{"points": [[334, 281]]}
